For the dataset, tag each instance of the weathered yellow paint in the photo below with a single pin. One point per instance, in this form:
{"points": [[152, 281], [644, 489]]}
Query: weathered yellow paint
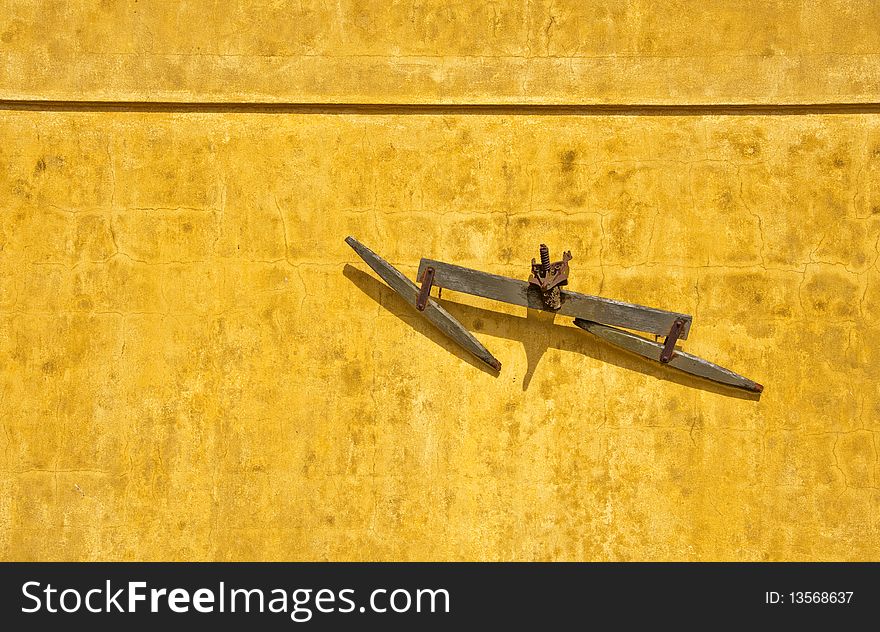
{"points": [[195, 365], [430, 51]]}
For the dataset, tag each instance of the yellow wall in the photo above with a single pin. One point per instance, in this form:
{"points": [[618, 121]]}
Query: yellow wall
{"points": [[195, 366], [450, 51]]}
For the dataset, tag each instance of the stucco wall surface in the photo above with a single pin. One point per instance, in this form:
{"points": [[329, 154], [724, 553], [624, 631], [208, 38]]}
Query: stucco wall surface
{"points": [[196, 366], [442, 51]]}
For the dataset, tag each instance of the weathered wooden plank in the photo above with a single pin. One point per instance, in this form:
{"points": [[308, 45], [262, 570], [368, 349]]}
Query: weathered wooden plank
{"points": [[680, 360], [593, 308], [440, 318]]}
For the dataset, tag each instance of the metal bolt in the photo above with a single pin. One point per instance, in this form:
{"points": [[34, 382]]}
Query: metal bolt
{"points": [[545, 258]]}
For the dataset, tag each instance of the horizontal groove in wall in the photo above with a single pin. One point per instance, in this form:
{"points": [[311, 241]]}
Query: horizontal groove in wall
{"points": [[439, 109]]}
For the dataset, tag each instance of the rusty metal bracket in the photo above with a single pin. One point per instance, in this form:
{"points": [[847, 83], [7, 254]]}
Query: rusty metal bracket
{"points": [[549, 277], [671, 340], [425, 291]]}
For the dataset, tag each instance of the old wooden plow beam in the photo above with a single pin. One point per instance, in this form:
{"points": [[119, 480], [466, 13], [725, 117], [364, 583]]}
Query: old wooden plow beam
{"points": [[606, 318]]}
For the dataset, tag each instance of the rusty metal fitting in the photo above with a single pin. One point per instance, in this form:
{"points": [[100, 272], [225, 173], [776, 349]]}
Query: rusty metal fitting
{"points": [[549, 277]]}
